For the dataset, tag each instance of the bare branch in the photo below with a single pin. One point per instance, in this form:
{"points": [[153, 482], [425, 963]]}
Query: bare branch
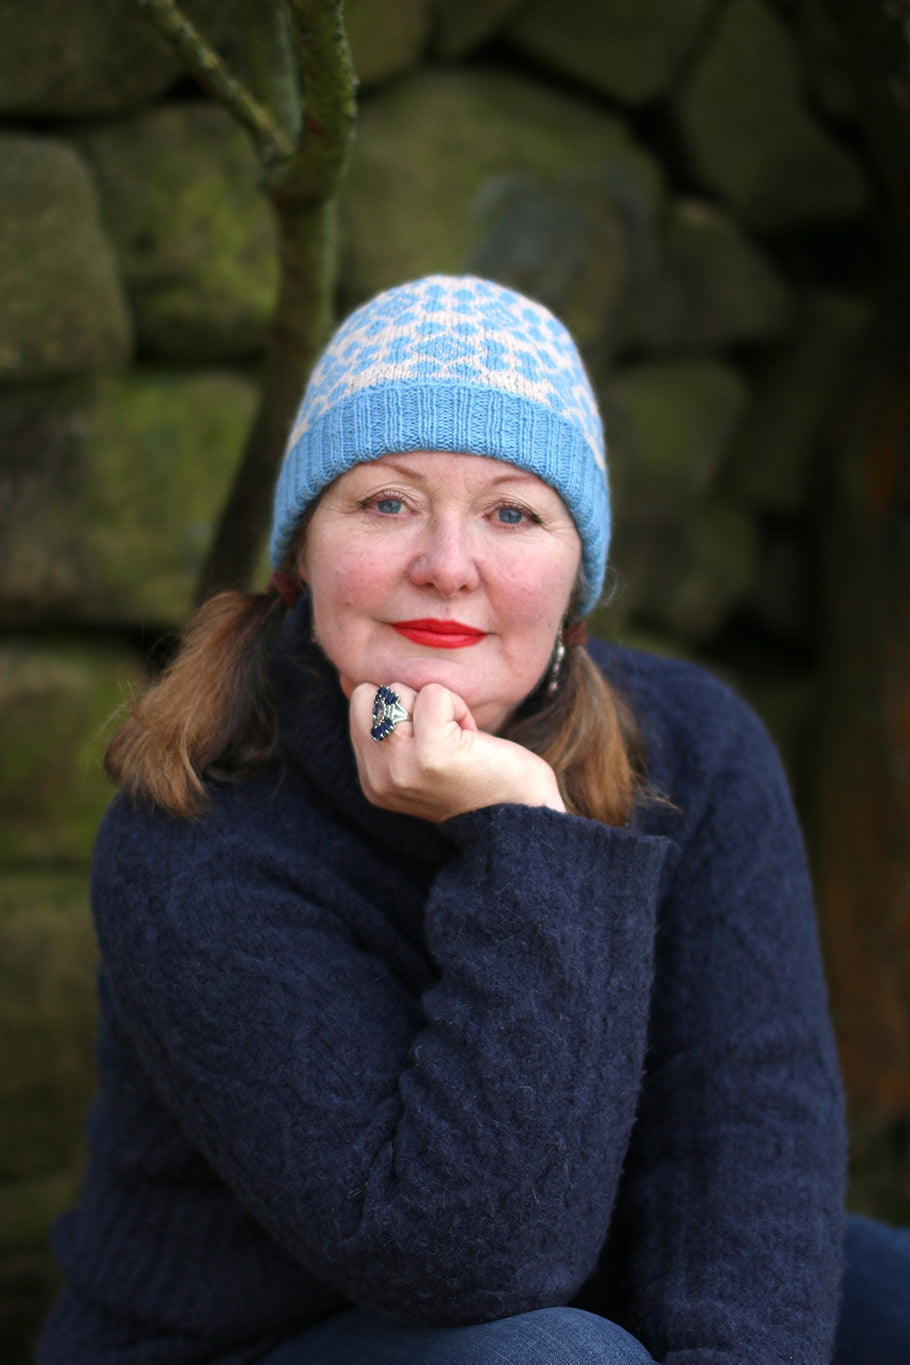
{"points": [[302, 192], [270, 64], [330, 88], [204, 63]]}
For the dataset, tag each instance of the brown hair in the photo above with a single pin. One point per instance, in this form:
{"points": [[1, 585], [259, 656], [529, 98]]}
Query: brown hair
{"points": [[588, 735], [211, 715]]}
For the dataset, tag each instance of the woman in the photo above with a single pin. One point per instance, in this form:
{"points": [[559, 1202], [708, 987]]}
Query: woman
{"points": [[460, 991]]}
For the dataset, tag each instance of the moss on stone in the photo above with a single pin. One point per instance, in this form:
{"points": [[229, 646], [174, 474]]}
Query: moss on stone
{"points": [[55, 699], [195, 237], [631, 52], [60, 59], [668, 425], [62, 306], [386, 40], [29, 1206], [112, 517], [700, 570], [434, 151], [47, 1020]]}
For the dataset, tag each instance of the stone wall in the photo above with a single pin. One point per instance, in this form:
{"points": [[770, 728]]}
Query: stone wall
{"points": [[681, 180]]}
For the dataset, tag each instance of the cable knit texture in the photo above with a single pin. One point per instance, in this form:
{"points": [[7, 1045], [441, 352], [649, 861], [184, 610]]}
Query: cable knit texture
{"points": [[457, 1072]]}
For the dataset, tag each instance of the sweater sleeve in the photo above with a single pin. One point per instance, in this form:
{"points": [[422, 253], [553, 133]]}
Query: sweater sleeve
{"points": [[445, 1158], [729, 1218]]}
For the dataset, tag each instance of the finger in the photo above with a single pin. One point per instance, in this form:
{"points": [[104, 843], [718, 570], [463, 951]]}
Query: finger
{"points": [[366, 706], [407, 698], [406, 695], [360, 708], [437, 706]]}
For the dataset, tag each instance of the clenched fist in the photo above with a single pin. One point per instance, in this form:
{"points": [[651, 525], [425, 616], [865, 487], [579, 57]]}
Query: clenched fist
{"points": [[438, 764]]}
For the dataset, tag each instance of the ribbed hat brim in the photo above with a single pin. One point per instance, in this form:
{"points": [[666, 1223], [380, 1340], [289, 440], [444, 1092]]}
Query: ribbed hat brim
{"points": [[457, 419]]}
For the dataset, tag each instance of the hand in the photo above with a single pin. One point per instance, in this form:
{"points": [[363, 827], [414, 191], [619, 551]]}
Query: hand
{"points": [[439, 764]]}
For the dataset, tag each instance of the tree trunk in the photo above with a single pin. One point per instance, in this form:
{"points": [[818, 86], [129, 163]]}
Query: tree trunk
{"points": [[863, 834], [287, 44]]}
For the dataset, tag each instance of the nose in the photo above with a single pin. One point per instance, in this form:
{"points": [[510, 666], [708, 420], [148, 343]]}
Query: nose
{"points": [[445, 560]]}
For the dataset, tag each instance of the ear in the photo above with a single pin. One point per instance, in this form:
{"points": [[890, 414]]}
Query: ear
{"points": [[298, 564]]}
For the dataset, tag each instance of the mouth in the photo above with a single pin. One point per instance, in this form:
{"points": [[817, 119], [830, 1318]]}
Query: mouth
{"points": [[439, 634]]}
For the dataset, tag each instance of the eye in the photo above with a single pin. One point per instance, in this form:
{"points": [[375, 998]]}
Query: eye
{"points": [[387, 504], [510, 515]]}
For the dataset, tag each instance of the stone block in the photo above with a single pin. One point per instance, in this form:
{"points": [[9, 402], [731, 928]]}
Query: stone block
{"points": [[495, 167], [110, 492], [195, 237], [29, 1206], [64, 60], [824, 61], [48, 1016], [29, 1282], [749, 135], [62, 305], [782, 596], [773, 457], [710, 286], [668, 425], [689, 576], [564, 242], [386, 40], [55, 700], [631, 52], [463, 25]]}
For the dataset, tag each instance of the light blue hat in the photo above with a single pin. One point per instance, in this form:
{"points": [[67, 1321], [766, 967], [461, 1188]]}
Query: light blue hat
{"points": [[458, 364]]}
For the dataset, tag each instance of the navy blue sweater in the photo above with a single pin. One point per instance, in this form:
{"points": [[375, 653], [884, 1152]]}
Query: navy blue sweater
{"points": [[456, 1072]]}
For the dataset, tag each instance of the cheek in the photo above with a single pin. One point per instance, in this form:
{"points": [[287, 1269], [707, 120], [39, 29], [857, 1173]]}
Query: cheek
{"points": [[339, 580], [535, 598]]}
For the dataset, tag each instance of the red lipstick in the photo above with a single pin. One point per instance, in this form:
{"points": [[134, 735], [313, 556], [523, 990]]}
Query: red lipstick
{"points": [[439, 634]]}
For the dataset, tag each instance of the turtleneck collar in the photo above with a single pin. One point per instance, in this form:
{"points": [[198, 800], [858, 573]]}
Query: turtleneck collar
{"points": [[313, 715]]}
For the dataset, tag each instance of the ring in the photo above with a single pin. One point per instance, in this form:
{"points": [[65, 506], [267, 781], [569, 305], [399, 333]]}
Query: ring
{"points": [[387, 712]]}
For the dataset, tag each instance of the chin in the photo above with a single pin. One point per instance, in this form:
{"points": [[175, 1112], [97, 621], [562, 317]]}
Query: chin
{"points": [[417, 673]]}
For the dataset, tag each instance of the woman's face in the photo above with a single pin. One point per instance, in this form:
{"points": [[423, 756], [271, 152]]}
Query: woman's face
{"points": [[432, 567]]}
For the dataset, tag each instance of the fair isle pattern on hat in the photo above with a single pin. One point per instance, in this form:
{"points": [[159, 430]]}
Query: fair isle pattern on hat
{"points": [[453, 364], [456, 331]]}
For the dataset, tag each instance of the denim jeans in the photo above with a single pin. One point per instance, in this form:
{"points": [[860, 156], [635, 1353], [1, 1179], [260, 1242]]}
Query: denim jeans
{"points": [[548, 1336], [874, 1326]]}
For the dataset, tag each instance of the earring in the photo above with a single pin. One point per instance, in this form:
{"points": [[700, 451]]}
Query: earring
{"points": [[559, 653]]}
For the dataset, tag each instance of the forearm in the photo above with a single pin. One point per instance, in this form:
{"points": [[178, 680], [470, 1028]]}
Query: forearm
{"points": [[444, 1157]]}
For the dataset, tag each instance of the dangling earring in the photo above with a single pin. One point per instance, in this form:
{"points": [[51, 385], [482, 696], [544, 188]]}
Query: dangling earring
{"points": [[559, 653]]}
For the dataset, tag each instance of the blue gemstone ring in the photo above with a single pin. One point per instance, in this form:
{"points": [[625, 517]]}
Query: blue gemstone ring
{"points": [[387, 712]]}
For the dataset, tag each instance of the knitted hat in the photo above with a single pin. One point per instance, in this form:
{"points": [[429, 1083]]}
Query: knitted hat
{"points": [[454, 364]]}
